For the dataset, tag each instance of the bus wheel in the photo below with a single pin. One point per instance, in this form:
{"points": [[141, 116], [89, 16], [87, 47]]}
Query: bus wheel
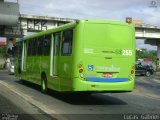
{"points": [[44, 84]]}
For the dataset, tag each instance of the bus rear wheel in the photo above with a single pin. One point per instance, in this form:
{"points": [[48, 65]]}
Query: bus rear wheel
{"points": [[44, 84]]}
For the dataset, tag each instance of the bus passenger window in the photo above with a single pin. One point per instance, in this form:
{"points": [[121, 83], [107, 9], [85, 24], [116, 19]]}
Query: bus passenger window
{"points": [[34, 47], [57, 38], [39, 46], [29, 50], [46, 45], [67, 42]]}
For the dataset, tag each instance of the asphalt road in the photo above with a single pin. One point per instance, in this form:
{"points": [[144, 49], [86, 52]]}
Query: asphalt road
{"points": [[26, 101]]}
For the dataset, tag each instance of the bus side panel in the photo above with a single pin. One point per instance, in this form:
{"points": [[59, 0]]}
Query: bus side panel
{"points": [[29, 70], [52, 82], [44, 66], [65, 68], [36, 69], [77, 58]]}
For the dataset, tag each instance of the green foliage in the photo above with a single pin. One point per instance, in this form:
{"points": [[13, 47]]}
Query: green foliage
{"points": [[3, 53], [146, 54]]}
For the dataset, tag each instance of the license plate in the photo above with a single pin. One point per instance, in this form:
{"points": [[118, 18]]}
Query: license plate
{"points": [[107, 75]]}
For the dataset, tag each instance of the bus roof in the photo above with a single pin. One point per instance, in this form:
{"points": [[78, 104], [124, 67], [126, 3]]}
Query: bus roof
{"points": [[49, 31], [73, 24], [107, 22]]}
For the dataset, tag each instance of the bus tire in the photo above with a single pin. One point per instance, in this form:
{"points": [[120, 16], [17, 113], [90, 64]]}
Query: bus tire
{"points": [[44, 84]]}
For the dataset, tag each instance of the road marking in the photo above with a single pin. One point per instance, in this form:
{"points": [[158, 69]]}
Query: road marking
{"points": [[32, 101]]}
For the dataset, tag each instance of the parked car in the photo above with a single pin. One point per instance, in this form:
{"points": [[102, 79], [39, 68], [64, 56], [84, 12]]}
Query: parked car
{"points": [[146, 70]]}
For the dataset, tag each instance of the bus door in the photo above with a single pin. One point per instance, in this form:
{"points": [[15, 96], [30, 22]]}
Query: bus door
{"points": [[24, 57], [56, 53]]}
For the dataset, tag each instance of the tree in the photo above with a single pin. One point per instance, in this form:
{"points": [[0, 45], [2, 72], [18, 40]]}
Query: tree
{"points": [[3, 53], [146, 54]]}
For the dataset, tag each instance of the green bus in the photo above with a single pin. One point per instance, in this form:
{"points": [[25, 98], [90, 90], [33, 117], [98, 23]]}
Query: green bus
{"points": [[87, 55]]}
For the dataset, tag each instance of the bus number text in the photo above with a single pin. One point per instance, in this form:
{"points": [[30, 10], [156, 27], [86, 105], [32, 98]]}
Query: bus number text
{"points": [[127, 52]]}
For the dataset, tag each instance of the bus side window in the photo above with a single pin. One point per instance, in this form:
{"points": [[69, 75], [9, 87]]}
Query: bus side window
{"points": [[57, 38], [39, 46], [34, 47], [46, 45], [29, 52], [67, 42]]}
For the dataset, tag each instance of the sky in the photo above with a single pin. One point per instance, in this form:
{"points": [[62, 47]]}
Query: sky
{"points": [[146, 10]]}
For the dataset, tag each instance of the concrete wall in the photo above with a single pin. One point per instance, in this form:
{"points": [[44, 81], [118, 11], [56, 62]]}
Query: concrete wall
{"points": [[9, 13]]}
